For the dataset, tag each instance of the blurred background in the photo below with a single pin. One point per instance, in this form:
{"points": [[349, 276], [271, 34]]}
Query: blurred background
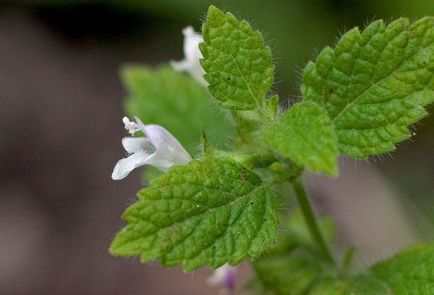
{"points": [[60, 130]]}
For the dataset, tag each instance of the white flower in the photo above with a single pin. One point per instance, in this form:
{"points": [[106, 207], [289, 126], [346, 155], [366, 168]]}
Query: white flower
{"points": [[224, 277], [158, 148], [190, 63]]}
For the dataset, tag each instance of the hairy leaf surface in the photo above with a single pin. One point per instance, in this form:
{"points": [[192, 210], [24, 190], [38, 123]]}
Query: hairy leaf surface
{"points": [[207, 212], [375, 84], [305, 135], [236, 60]]}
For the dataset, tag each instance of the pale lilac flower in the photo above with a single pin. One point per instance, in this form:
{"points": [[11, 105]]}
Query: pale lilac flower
{"points": [[190, 63], [224, 277], [157, 148]]}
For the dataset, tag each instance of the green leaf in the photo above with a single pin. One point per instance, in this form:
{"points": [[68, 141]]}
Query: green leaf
{"points": [[237, 62], [409, 272], [177, 102], [290, 273], [294, 262], [297, 233], [294, 233], [206, 212], [305, 135], [300, 272], [363, 284], [375, 84]]}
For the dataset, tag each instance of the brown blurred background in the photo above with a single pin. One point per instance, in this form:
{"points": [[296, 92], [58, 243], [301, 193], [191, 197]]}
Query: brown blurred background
{"points": [[60, 131]]}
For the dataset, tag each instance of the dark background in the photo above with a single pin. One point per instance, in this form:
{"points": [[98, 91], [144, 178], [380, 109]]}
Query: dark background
{"points": [[60, 131]]}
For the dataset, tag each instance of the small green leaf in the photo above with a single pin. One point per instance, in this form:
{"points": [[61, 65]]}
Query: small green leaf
{"points": [[300, 272], [297, 233], [305, 135], [410, 272], [294, 233], [363, 284], [237, 62], [287, 274], [294, 262], [375, 84], [177, 102], [206, 212]]}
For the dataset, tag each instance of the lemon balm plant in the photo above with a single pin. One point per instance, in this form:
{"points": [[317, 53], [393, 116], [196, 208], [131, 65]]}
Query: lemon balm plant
{"points": [[216, 196]]}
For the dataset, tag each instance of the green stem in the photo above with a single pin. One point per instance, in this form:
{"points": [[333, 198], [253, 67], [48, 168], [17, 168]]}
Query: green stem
{"points": [[311, 220]]}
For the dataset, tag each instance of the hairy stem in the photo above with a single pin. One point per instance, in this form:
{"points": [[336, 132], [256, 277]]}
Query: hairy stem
{"points": [[311, 220]]}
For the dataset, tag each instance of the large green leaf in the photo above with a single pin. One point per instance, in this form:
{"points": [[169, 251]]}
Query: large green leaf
{"points": [[178, 103], [206, 212], [236, 60], [375, 84], [305, 135]]}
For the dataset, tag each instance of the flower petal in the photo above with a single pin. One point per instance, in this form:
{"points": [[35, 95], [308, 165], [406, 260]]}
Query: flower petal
{"points": [[181, 66], [168, 151], [135, 144], [124, 166], [130, 126], [191, 45], [225, 277], [192, 55]]}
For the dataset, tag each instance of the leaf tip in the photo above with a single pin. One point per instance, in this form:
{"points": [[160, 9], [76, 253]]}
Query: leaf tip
{"points": [[333, 171], [113, 249], [213, 11]]}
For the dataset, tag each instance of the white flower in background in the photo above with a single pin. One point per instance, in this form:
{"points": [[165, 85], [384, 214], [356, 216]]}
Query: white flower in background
{"points": [[190, 63], [224, 277], [158, 148]]}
